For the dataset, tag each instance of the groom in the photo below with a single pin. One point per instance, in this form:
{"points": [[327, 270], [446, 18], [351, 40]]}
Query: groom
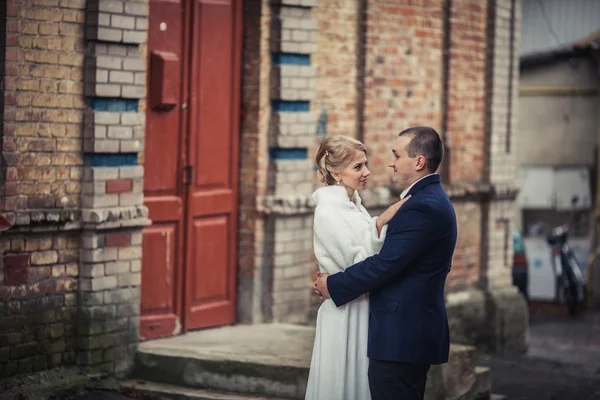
{"points": [[408, 326]]}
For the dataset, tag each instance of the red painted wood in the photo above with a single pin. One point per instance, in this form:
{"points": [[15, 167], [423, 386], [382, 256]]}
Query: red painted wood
{"points": [[212, 198], [189, 253], [164, 158]]}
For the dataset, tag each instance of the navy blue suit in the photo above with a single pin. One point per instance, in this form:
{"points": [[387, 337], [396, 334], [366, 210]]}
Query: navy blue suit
{"points": [[408, 324]]}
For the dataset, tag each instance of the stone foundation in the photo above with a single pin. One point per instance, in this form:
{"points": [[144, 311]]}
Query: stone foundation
{"points": [[496, 320]]}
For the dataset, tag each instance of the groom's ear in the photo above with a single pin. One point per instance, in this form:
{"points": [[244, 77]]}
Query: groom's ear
{"points": [[421, 162]]}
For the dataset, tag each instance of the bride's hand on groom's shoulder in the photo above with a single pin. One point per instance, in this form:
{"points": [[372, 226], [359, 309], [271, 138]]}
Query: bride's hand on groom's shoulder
{"points": [[387, 215]]}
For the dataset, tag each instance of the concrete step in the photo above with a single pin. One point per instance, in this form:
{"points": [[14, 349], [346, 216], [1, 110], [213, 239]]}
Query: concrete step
{"points": [[270, 360], [164, 391], [483, 383], [459, 373]]}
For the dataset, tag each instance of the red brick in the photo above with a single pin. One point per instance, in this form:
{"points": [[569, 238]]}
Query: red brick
{"points": [[120, 239], [119, 185], [15, 269]]}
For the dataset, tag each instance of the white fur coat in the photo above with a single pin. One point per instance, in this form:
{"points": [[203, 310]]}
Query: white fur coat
{"points": [[344, 232]]}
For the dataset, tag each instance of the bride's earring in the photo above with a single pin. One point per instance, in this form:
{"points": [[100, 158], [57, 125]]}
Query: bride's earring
{"points": [[339, 182]]}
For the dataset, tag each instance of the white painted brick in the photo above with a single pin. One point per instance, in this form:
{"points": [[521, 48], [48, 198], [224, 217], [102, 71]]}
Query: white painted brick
{"points": [[131, 172], [100, 201], [138, 9], [106, 118], [111, 6], [104, 173], [122, 22], [107, 90], [141, 24], [130, 279], [130, 253], [120, 132], [91, 270], [133, 92], [121, 77], [109, 35], [300, 36], [117, 50], [136, 265], [116, 267], [136, 238], [134, 64], [98, 255], [134, 37], [131, 146], [130, 199], [104, 19]]}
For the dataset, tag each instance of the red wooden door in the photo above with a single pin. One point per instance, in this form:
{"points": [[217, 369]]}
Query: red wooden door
{"points": [[164, 158], [213, 152], [190, 184]]}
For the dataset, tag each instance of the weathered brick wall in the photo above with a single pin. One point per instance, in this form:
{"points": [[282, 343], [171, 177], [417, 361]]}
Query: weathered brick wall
{"points": [[38, 298], [467, 91], [41, 172], [253, 157], [403, 85], [336, 60], [504, 23], [43, 106], [74, 76]]}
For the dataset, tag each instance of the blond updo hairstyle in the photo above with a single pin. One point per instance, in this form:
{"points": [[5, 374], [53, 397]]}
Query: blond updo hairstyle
{"points": [[335, 153]]}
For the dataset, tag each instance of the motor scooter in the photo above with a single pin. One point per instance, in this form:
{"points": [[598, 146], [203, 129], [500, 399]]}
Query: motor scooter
{"points": [[570, 281]]}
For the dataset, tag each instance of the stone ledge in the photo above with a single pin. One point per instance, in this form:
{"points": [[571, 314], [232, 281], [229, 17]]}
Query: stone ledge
{"points": [[118, 216], [48, 220]]}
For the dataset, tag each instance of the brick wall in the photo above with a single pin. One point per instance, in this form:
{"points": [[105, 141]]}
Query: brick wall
{"points": [[253, 157], [336, 60], [71, 184], [41, 172], [38, 298], [43, 106], [467, 91], [403, 83], [503, 74]]}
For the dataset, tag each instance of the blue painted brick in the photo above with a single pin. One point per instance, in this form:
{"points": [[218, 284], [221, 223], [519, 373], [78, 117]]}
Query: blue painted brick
{"points": [[290, 59], [110, 104], [297, 153], [291, 106], [109, 159]]}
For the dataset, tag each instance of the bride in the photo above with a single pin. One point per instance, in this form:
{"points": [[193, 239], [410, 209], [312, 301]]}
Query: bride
{"points": [[344, 233]]}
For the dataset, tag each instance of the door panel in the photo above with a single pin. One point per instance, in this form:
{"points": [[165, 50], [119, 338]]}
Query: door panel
{"points": [[162, 250], [214, 89], [158, 298], [211, 286], [189, 253], [212, 204]]}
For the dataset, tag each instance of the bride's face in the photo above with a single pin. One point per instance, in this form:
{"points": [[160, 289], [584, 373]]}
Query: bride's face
{"points": [[355, 175]]}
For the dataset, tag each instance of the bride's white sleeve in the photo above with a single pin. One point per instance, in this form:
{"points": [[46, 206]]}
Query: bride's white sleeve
{"points": [[341, 243]]}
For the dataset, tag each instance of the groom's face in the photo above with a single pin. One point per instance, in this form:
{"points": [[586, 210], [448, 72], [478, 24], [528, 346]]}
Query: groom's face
{"points": [[402, 165]]}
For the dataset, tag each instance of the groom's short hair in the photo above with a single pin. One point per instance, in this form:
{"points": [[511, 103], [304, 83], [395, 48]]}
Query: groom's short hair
{"points": [[426, 142]]}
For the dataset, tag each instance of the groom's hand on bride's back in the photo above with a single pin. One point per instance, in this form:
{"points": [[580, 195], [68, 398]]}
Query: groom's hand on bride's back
{"points": [[320, 286]]}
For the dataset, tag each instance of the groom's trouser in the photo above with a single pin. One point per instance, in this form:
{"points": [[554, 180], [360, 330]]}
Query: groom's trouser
{"points": [[394, 380]]}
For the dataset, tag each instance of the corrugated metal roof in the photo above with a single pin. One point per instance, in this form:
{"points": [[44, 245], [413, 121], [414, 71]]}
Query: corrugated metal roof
{"points": [[552, 24]]}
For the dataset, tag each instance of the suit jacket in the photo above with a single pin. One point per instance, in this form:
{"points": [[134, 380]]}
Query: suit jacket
{"points": [[407, 320]]}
